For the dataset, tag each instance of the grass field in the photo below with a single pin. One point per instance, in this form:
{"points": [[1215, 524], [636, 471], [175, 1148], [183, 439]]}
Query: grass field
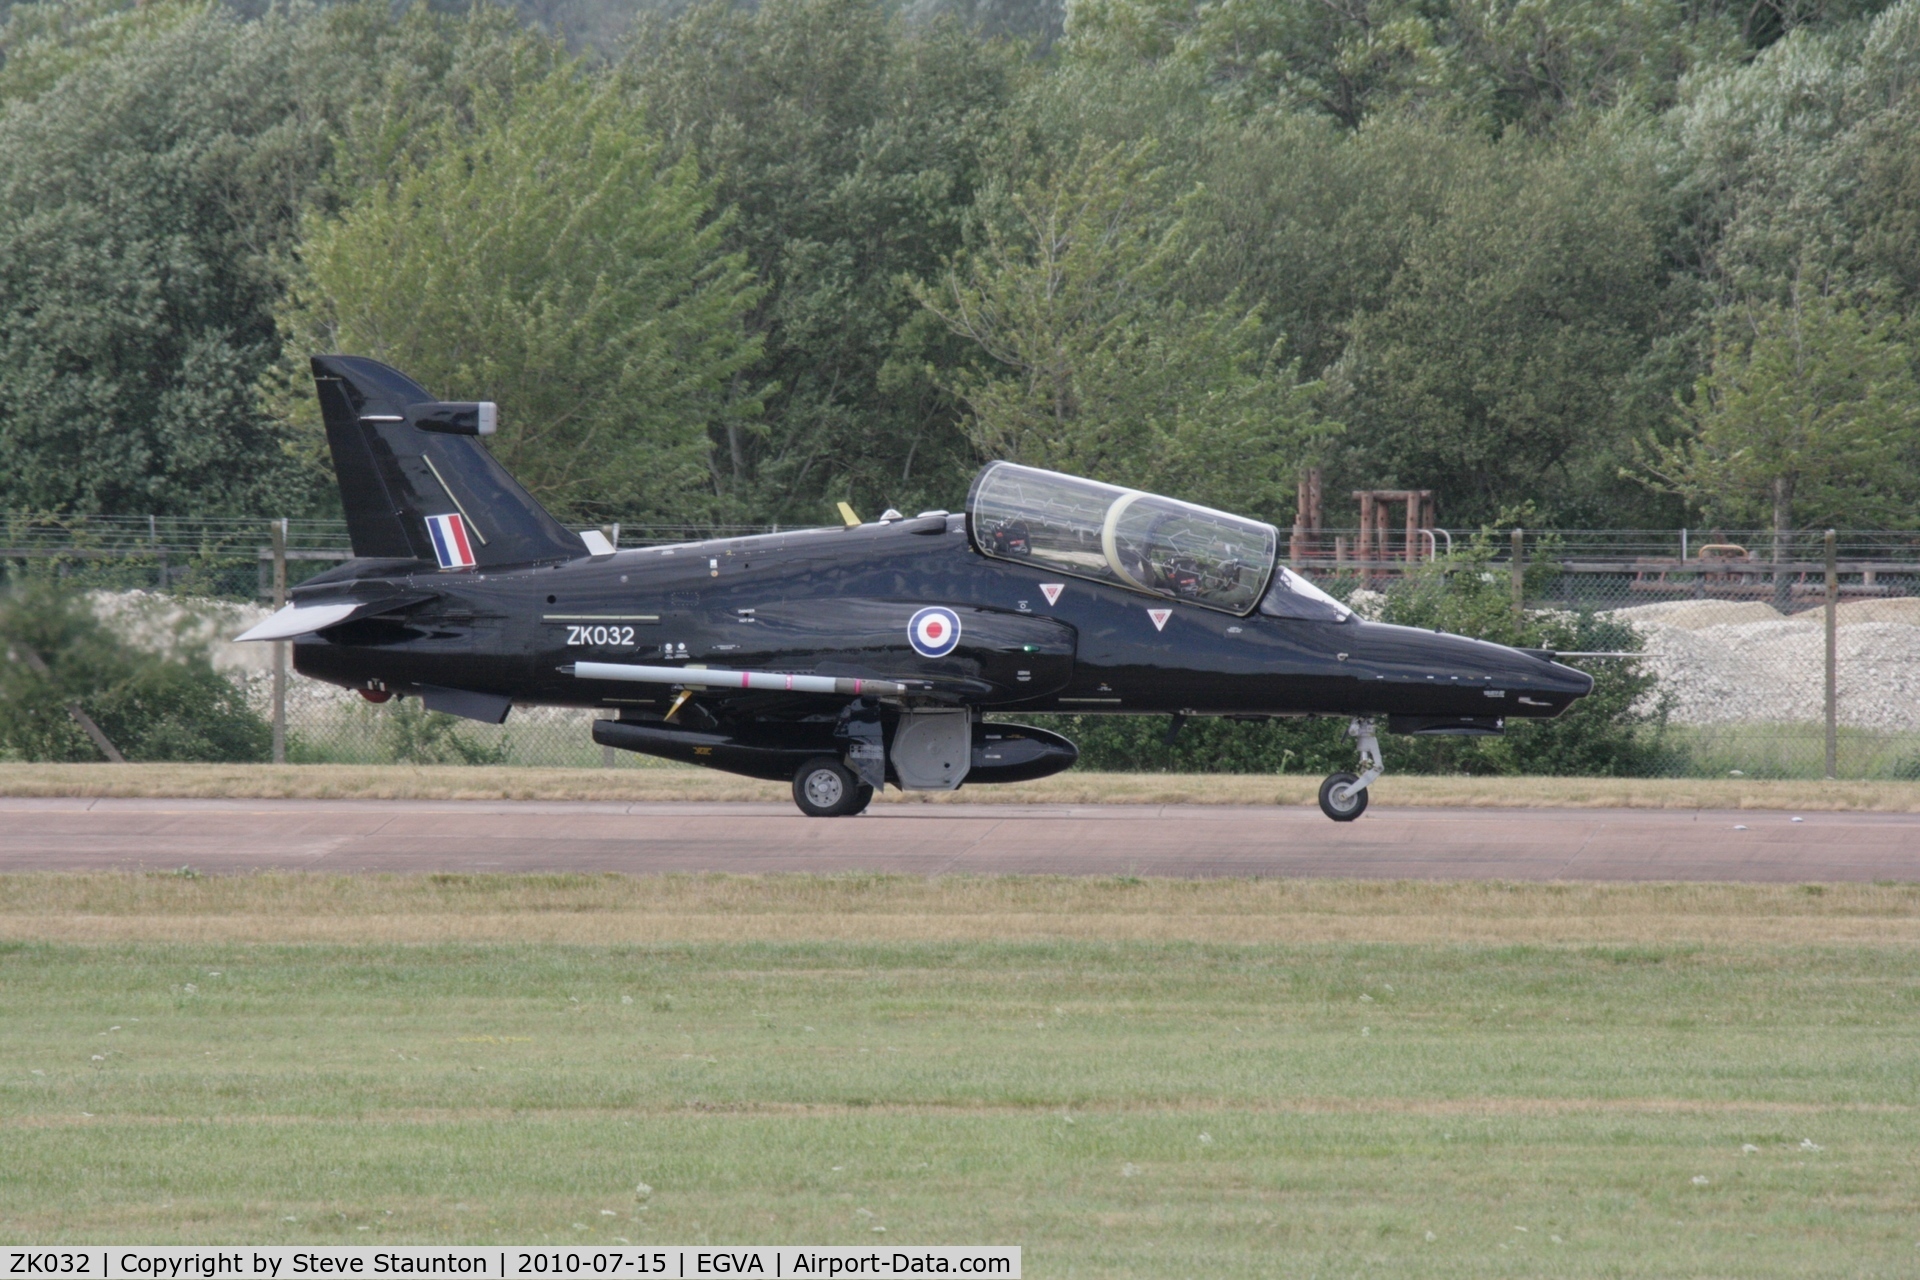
{"points": [[429, 782], [1128, 1078]]}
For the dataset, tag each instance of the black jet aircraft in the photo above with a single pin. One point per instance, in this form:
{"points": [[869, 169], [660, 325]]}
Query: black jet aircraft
{"points": [[847, 658]]}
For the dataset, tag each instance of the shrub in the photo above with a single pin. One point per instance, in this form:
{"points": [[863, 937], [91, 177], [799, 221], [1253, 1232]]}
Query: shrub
{"points": [[1620, 729], [411, 734], [149, 706]]}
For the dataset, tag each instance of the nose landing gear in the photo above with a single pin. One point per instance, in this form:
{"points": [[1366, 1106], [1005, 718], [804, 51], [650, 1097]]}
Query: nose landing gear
{"points": [[1343, 797]]}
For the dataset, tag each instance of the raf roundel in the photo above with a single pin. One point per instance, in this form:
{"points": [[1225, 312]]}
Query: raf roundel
{"points": [[934, 632]]}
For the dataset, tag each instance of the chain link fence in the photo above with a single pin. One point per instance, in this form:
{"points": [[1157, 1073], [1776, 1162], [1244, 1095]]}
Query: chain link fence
{"points": [[1731, 623]]}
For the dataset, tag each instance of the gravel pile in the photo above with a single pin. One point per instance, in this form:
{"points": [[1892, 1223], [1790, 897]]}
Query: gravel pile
{"points": [[1727, 662]]}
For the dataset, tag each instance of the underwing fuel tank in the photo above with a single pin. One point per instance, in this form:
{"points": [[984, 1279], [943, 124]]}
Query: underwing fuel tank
{"points": [[1001, 752], [1018, 753]]}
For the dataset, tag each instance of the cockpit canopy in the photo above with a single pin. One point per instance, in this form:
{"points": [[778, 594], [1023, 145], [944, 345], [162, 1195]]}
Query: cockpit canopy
{"points": [[1136, 540]]}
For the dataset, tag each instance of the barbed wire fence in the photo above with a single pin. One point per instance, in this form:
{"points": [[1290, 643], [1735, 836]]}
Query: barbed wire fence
{"points": [[1740, 630]]}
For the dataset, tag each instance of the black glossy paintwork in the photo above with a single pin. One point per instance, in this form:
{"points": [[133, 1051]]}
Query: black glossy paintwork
{"points": [[837, 601], [393, 475]]}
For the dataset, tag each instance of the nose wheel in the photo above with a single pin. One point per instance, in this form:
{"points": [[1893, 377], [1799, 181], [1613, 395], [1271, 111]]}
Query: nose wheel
{"points": [[825, 788], [1343, 796], [1340, 799]]}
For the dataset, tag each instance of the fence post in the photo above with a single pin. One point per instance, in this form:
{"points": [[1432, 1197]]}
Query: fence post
{"points": [[279, 528], [1519, 568], [159, 556], [1833, 660]]}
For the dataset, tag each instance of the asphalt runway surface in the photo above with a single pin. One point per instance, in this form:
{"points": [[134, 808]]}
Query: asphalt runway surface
{"points": [[360, 836]]}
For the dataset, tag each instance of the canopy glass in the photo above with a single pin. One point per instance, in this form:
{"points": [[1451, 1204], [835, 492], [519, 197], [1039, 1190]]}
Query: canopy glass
{"points": [[1121, 536], [1292, 596]]}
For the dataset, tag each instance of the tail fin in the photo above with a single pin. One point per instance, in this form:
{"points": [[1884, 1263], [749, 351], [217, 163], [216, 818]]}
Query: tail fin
{"points": [[430, 492]]}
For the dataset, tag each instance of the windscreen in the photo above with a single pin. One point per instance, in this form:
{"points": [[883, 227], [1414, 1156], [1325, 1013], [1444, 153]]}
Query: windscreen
{"points": [[1122, 536], [1292, 596]]}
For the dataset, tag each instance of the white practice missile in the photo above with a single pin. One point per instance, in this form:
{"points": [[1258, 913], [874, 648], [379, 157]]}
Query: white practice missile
{"points": [[716, 678]]}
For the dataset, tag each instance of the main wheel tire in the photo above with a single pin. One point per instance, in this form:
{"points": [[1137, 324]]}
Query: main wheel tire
{"points": [[1340, 810], [861, 799], [825, 788]]}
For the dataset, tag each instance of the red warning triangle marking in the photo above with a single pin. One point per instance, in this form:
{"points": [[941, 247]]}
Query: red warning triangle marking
{"points": [[1052, 590], [1159, 617]]}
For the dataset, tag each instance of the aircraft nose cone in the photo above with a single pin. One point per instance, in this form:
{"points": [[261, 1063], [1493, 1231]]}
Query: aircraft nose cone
{"points": [[1556, 677], [1579, 683], [1565, 679]]}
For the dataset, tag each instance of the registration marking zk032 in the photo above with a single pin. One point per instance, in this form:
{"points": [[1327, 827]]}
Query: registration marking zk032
{"points": [[607, 636], [600, 629], [606, 630]]}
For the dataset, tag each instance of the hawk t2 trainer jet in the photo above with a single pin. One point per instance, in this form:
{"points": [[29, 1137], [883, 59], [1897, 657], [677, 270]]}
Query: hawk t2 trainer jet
{"points": [[843, 659]]}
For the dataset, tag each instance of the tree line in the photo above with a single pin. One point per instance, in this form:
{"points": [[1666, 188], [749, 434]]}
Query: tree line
{"points": [[1598, 263]]}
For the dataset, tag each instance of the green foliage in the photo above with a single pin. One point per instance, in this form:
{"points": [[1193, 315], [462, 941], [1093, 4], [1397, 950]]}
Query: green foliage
{"points": [[1493, 65], [1126, 744], [1618, 729], [1500, 242], [1343, 59], [150, 707], [849, 148], [1533, 63], [428, 76], [1312, 221], [1808, 411], [1883, 214], [1495, 319], [43, 42], [140, 197], [1503, 359], [1798, 163], [549, 258], [411, 734], [1094, 364]]}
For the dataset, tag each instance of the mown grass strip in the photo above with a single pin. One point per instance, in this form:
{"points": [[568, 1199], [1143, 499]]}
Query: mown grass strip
{"points": [[1119, 1108], [116, 907], [414, 782]]}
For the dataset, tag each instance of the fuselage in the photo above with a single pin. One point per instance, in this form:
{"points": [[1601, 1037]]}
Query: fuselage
{"points": [[839, 601]]}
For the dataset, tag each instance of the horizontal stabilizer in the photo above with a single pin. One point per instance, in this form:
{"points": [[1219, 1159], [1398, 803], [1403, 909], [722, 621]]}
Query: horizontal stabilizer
{"points": [[301, 619], [298, 620]]}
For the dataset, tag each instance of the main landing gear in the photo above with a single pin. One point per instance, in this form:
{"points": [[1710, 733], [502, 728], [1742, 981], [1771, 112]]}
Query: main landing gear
{"points": [[825, 788], [1343, 797]]}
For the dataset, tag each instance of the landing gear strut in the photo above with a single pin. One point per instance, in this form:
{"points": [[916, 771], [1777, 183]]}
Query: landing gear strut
{"points": [[1343, 797]]}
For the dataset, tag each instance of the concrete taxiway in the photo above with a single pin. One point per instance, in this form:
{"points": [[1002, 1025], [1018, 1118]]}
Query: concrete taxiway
{"points": [[360, 836]]}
